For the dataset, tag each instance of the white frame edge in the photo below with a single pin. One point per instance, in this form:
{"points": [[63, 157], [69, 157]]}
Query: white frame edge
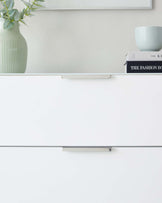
{"points": [[101, 8]]}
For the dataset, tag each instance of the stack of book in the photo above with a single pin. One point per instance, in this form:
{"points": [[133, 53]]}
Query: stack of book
{"points": [[144, 62]]}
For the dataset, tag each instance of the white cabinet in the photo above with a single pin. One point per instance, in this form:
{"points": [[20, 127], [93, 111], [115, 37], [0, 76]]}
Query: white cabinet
{"points": [[52, 175], [48, 112], [125, 110]]}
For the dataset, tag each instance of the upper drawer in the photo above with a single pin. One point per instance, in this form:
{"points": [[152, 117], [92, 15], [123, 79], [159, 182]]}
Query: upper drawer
{"points": [[48, 110]]}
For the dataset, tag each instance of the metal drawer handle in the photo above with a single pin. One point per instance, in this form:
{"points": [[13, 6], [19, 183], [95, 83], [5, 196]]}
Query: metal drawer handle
{"points": [[87, 76], [79, 148]]}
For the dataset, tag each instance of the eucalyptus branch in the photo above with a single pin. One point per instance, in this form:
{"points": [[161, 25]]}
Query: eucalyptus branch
{"points": [[12, 15]]}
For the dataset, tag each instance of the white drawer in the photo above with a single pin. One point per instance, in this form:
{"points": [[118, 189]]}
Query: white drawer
{"points": [[48, 110], [52, 175]]}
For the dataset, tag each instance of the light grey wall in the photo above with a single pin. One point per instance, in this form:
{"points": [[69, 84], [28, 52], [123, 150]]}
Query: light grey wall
{"points": [[84, 41]]}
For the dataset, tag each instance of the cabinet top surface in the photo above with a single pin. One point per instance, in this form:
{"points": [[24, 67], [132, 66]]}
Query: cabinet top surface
{"points": [[77, 74]]}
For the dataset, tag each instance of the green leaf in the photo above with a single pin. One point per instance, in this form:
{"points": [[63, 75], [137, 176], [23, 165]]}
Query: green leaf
{"points": [[22, 21], [11, 13], [8, 24], [9, 4], [26, 3], [34, 9], [38, 5], [2, 12], [22, 14], [14, 14], [27, 12]]}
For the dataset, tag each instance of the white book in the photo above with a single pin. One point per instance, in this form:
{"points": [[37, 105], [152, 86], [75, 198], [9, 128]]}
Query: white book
{"points": [[144, 56]]}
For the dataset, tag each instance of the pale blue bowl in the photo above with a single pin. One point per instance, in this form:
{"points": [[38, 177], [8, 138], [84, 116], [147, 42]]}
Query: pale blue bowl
{"points": [[149, 38]]}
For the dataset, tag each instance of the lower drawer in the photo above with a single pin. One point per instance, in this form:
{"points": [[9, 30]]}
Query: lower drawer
{"points": [[39, 175]]}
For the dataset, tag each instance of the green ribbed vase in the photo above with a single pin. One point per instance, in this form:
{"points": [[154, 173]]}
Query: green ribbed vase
{"points": [[13, 50]]}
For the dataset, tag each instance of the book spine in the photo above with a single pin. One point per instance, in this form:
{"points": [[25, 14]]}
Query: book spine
{"points": [[144, 56], [144, 67]]}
